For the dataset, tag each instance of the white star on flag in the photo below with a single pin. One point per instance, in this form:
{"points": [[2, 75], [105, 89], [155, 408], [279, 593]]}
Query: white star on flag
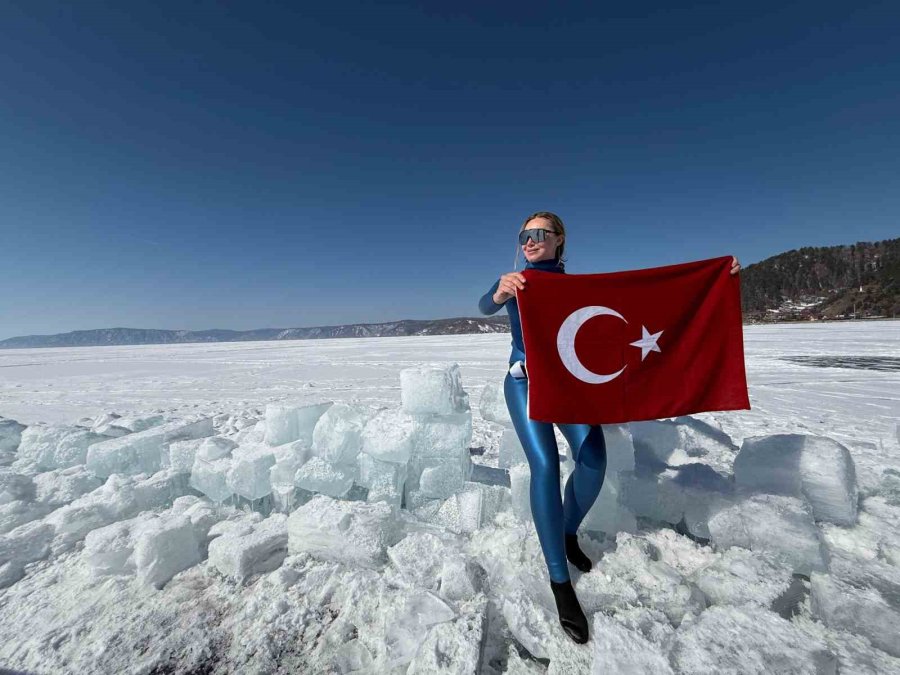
{"points": [[647, 343]]}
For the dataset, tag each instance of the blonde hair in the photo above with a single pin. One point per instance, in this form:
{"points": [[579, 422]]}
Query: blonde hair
{"points": [[558, 227]]}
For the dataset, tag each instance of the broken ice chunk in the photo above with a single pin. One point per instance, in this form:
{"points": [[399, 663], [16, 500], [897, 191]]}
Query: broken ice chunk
{"points": [[385, 480], [606, 514], [182, 454], [243, 554], [457, 579], [215, 447], [211, 478], [109, 549], [288, 423], [781, 525], [520, 486], [467, 510], [858, 610], [816, 468], [768, 644], [317, 475], [433, 389], [142, 452], [618, 649], [249, 473], [681, 441], [22, 545], [453, 646], [374, 471], [281, 424], [337, 435], [163, 547], [10, 435], [63, 486], [389, 436], [440, 479], [493, 404], [511, 450], [350, 532], [419, 558], [442, 435], [619, 447], [742, 577], [56, 446], [288, 458], [15, 486]]}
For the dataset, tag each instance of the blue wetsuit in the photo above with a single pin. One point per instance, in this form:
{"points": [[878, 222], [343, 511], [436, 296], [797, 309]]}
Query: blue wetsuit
{"points": [[553, 516]]}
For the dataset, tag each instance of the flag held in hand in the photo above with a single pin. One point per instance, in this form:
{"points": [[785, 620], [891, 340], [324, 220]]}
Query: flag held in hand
{"points": [[636, 345]]}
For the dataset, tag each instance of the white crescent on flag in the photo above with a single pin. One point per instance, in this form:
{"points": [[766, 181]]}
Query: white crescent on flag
{"points": [[565, 344]]}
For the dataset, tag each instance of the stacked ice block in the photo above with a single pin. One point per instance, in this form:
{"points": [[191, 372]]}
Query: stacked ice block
{"points": [[440, 430]]}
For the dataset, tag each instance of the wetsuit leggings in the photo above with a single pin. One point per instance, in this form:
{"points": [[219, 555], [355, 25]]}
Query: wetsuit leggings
{"points": [[553, 516]]}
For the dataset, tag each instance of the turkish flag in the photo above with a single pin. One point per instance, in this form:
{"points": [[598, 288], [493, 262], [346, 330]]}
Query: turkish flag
{"points": [[636, 345]]}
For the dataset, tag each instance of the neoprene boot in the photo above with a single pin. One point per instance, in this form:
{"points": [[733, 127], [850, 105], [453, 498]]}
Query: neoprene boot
{"points": [[571, 616], [575, 555]]}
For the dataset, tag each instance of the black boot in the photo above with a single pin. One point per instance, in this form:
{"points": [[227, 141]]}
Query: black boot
{"points": [[571, 616], [575, 555]]}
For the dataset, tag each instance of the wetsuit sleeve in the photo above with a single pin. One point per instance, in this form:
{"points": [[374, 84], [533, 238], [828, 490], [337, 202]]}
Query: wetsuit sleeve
{"points": [[487, 305]]}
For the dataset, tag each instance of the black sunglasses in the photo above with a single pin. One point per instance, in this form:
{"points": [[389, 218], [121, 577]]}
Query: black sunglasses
{"points": [[537, 235]]}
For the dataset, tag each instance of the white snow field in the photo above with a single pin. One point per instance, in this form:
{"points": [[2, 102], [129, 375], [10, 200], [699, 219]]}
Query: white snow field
{"points": [[361, 506]]}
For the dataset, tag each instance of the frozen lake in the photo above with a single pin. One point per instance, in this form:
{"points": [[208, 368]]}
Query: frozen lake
{"points": [[657, 600], [854, 405]]}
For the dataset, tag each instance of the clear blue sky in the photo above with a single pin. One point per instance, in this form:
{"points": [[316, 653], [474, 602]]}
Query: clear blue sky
{"points": [[242, 165]]}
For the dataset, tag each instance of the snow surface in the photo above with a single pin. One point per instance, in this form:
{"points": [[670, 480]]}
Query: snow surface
{"points": [[141, 573]]}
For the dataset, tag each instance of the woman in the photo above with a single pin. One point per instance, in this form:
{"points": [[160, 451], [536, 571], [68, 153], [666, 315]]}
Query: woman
{"points": [[542, 239]]}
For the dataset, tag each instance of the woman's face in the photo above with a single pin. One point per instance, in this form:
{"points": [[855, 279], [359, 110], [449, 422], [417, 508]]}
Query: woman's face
{"points": [[546, 250]]}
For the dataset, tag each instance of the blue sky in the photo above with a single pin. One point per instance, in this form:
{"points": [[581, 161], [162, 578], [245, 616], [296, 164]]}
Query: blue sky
{"points": [[248, 165]]}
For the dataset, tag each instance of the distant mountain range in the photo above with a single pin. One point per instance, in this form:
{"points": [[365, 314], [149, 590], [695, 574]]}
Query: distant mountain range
{"points": [[833, 282], [141, 336]]}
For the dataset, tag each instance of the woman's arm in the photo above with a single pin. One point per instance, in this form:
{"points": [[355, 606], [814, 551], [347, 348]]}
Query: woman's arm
{"points": [[504, 288], [487, 305]]}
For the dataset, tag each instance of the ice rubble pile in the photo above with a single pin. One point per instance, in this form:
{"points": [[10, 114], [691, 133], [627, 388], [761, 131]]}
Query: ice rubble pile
{"points": [[342, 475], [769, 495], [415, 456], [101, 478]]}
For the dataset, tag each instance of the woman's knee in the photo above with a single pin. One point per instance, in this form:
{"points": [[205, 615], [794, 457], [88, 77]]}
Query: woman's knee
{"points": [[593, 450], [542, 469]]}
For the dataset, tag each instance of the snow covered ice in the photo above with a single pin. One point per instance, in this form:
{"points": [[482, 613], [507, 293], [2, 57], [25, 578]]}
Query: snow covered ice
{"points": [[142, 451], [390, 436], [781, 525], [254, 549], [319, 475], [183, 453], [432, 389], [212, 448], [817, 468], [345, 531], [56, 446], [229, 519]]}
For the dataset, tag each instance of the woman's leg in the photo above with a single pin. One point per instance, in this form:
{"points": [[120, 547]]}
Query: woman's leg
{"points": [[539, 442], [584, 483]]}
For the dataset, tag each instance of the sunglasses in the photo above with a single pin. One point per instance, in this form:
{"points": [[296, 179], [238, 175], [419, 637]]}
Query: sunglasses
{"points": [[537, 235]]}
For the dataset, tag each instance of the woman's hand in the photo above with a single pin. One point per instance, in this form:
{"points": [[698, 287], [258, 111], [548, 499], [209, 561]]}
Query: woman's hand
{"points": [[735, 265], [509, 284]]}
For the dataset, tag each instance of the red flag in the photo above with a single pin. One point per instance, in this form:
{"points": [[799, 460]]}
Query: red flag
{"points": [[636, 345]]}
